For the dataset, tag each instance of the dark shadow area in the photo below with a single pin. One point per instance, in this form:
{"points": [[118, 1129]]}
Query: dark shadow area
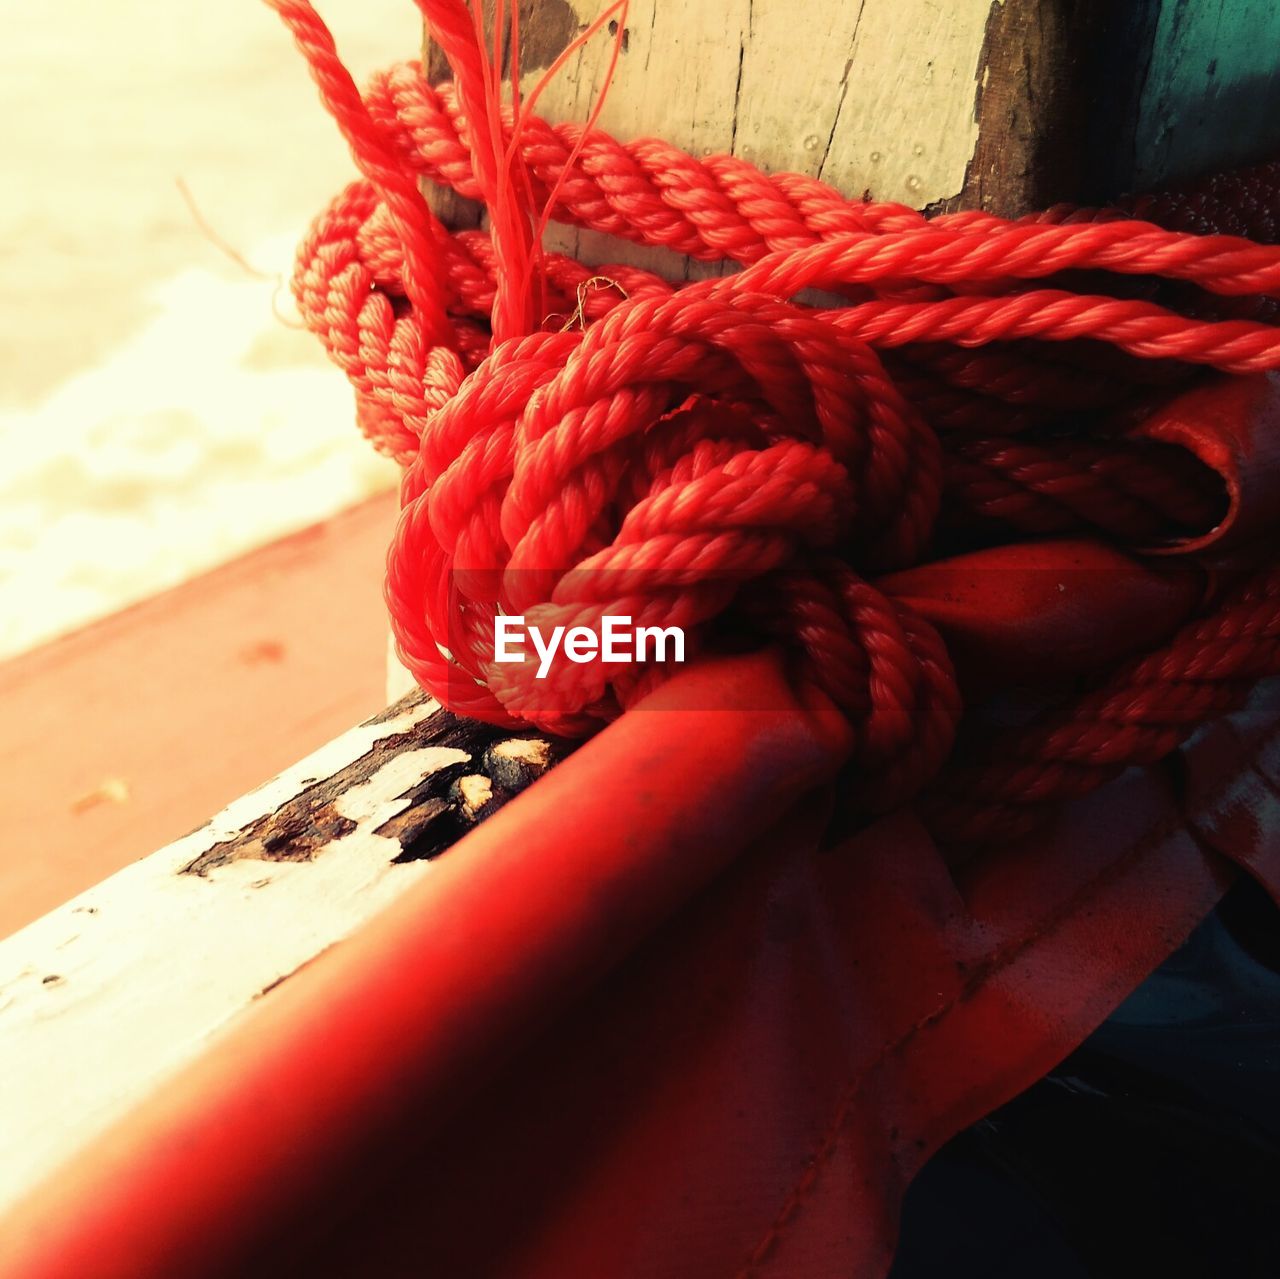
{"points": [[1154, 1149]]}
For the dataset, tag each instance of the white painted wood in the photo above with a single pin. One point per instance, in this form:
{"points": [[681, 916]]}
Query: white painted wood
{"points": [[104, 997], [869, 95], [874, 96], [877, 96]]}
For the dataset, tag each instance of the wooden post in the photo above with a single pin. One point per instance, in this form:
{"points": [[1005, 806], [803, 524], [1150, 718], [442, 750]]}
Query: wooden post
{"points": [[876, 96], [1006, 105]]}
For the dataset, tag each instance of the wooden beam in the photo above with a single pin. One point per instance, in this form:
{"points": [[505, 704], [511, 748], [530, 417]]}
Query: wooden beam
{"points": [[109, 993]]}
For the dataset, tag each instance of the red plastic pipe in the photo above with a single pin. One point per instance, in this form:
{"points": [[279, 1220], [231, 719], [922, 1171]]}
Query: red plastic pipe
{"points": [[423, 1001]]}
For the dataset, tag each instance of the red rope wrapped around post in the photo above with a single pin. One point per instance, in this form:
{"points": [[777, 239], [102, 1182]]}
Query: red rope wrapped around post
{"points": [[723, 451]]}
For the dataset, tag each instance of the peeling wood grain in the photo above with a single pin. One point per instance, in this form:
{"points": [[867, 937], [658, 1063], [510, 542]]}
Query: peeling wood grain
{"points": [[1006, 105], [105, 996], [870, 95], [317, 818], [1033, 101]]}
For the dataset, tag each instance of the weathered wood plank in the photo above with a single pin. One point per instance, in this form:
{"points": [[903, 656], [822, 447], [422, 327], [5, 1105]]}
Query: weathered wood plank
{"points": [[876, 95], [102, 998], [1007, 105]]}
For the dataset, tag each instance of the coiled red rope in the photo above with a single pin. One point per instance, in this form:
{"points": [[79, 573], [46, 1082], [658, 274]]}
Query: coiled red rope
{"points": [[683, 456]]}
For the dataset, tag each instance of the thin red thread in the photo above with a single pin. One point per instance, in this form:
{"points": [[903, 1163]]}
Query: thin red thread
{"points": [[722, 449]]}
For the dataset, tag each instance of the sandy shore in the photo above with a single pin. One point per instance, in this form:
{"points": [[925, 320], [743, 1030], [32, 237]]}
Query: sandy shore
{"points": [[156, 415]]}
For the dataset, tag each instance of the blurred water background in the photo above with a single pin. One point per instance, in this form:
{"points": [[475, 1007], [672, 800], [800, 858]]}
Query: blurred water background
{"points": [[158, 414]]}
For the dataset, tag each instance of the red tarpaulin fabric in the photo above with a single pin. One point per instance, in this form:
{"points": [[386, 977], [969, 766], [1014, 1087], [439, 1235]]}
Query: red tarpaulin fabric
{"points": [[751, 1094], [746, 1091]]}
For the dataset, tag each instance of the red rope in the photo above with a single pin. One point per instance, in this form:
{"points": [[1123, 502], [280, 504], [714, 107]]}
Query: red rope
{"points": [[650, 452], [1129, 491], [1141, 714]]}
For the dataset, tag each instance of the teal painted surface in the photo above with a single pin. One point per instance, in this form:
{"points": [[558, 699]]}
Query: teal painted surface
{"points": [[1210, 98]]}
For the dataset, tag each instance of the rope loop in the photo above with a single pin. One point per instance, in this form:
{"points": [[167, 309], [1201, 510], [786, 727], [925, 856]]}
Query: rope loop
{"points": [[730, 458]]}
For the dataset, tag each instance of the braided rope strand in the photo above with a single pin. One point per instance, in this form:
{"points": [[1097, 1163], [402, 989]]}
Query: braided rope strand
{"points": [[720, 455]]}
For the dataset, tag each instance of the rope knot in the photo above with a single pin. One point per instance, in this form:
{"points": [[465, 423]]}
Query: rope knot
{"points": [[722, 459], [684, 460]]}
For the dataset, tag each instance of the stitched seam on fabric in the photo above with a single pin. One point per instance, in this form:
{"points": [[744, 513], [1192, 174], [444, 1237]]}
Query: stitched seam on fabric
{"points": [[1002, 959]]}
